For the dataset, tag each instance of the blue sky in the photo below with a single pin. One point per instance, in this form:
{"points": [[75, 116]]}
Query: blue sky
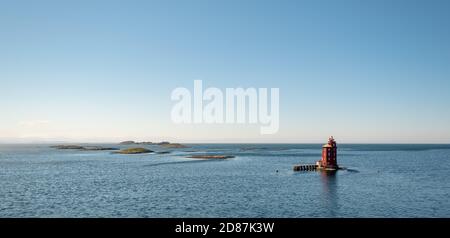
{"points": [[363, 71]]}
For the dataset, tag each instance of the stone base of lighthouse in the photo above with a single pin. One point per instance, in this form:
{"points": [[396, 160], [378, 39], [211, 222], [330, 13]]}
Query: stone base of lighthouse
{"points": [[319, 166]]}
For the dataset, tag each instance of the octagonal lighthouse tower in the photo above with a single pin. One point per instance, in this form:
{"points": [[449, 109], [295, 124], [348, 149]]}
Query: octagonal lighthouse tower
{"points": [[329, 156]]}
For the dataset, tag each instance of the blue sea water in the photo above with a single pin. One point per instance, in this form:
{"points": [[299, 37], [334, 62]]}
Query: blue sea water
{"points": [[383, 181]]}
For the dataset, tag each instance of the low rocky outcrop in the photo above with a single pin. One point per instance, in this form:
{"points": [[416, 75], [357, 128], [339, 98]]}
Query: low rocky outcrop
{"points": [[67, 147], [79, 147], [131, 142], [210, 156], [173, 145], [99, 148], [128, 142], [163, 143], [134, 151], [144, 143]]}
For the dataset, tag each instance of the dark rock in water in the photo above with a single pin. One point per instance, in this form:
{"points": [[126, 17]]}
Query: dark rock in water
{"points": [[134, 151], [67, 147], [128, 142], [210, 156], [163, 152]]}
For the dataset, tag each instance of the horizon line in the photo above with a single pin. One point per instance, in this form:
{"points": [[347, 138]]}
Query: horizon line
{"points": [[193, 143]]}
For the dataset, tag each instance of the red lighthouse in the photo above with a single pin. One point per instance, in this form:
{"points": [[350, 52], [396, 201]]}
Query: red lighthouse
{"points": [[329, 156]]}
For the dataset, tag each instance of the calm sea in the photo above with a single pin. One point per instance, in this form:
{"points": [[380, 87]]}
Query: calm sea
{"points": [[383, 181]]}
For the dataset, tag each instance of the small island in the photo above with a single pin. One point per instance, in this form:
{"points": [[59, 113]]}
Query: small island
{"points": [[134, 151], [67, 147], [173, 145], [145, 143], [131, 142], [98, 148], [128, 142], [210, 156], [78, 147], [165, 144]]}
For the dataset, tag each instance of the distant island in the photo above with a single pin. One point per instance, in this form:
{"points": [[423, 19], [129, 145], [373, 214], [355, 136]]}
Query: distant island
{"points": [[78, 147], [173, 145], [130, 142], [164, 144], [134, 151], [141, 150]]}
